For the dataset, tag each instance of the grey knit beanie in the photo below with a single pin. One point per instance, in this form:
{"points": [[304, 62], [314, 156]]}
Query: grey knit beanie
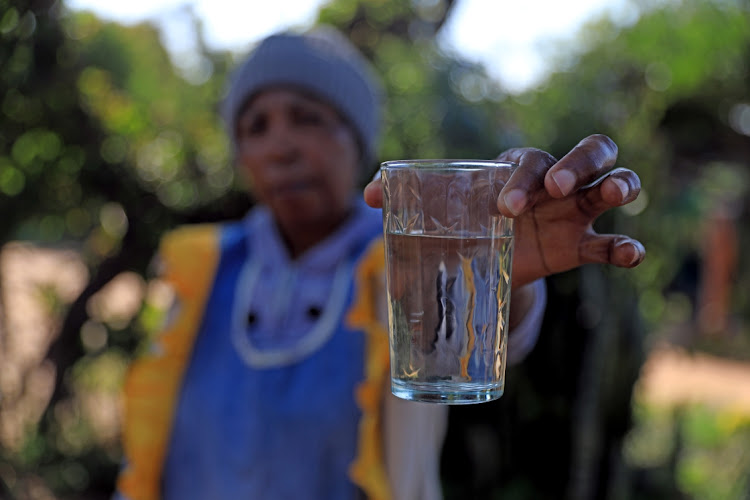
{"points": [[322, 62]]}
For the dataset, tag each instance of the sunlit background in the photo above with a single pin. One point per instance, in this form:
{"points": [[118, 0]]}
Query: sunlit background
{"points": [[516, 41], [640, 385]]}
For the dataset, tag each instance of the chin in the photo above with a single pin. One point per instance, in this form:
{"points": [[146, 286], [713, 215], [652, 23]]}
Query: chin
{"points": [[293, 214]]}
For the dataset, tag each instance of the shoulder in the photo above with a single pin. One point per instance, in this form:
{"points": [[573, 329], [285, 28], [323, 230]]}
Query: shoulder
{"points": [[191, 251], [189, 238], [196, 239]]}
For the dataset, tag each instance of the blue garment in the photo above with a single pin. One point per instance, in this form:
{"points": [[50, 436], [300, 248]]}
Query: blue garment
{"points": [[267, 406]]}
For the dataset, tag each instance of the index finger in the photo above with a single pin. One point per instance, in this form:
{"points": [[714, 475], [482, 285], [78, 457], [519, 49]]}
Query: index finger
{"points": [[586, 162]]}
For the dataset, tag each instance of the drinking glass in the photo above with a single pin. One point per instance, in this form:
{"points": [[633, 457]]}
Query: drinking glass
{"points": [[449, 256]]}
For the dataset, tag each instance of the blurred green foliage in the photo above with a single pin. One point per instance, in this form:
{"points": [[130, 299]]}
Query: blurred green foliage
{"points": [[702, 450], [105, 143], [625, 85]]}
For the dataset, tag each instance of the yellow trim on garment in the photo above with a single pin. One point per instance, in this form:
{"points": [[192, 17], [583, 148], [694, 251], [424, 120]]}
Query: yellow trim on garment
{"points": [[190, 256], [368, 469]]}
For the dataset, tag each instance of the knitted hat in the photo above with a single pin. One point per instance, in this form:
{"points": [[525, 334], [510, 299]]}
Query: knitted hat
{"points": [[322, 62]]}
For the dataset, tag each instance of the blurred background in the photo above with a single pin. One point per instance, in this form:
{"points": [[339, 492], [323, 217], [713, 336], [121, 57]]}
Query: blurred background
{"points": [[639, 387]]}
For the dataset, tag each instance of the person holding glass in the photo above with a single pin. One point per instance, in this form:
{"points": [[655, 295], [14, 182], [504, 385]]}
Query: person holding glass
{"points": [[269, 379]]}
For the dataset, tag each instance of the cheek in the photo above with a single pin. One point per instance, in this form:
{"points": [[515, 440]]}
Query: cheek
{"points": [[347, 155], [245, 169], [342, 174], [348, 144], [250, 174]]}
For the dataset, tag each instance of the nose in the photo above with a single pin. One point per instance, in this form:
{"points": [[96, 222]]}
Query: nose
{"points": [[281, 143]]}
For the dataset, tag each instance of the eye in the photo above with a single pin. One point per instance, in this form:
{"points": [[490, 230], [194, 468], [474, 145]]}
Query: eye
{"points": [[253, 125]]}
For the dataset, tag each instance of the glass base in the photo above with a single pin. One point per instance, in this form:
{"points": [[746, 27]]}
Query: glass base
{"points": [[449, 393]]}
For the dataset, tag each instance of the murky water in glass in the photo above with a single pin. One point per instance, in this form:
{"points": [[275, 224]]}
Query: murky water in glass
{"points": [[448, 304]]}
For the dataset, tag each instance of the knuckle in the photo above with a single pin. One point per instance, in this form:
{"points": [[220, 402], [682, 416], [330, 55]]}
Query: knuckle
{"points": [[591, 158], [539, 156], [589, 205], [599, 149], [605, 141]]}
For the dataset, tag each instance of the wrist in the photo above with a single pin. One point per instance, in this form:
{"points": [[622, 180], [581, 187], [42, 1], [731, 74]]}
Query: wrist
{"points": [[522, 299]]}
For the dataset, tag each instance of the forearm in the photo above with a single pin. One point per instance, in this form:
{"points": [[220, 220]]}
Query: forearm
{"points": [[527, 306], [521, 302]]}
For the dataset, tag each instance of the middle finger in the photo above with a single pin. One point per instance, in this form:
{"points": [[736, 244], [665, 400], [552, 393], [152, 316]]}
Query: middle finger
{"points": [[616, 188], [587, 161]]}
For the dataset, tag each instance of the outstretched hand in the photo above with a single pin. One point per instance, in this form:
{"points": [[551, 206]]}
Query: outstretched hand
{"points": [[555, 204]]}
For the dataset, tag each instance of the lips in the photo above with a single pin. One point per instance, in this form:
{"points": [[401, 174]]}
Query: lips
{"points": [[294, 186], [293, 189]]}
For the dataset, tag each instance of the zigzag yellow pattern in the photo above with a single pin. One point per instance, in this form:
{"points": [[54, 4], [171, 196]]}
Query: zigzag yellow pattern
{"points": [[190, 256], [368, 469]]}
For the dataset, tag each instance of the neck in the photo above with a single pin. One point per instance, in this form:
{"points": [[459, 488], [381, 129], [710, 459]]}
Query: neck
{"points": [[301, 238]]}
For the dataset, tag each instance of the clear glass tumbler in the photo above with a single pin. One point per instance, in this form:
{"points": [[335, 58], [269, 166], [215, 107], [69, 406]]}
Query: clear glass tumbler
{"points": [[449, 256]]}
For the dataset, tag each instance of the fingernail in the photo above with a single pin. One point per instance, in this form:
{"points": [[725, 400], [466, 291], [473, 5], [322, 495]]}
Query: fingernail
{"points": [[565, 181], [376, 176], [636, 250], [622, 186], [515, 200]]}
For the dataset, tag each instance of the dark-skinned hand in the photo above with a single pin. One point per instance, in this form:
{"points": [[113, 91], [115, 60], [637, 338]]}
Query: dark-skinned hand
{"points": [[555, 203]]}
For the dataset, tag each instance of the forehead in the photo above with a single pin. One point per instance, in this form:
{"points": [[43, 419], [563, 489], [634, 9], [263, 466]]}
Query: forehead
{"points": [[285, 96]]}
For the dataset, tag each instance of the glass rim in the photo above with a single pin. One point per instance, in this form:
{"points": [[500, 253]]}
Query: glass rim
{"points": [[446, 163]]}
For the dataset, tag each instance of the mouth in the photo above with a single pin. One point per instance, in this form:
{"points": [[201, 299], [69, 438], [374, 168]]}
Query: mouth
{"points": [[293, 188]]}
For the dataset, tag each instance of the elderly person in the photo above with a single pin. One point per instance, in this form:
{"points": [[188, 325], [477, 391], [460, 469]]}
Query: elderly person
{"points": [[270, 377]]}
